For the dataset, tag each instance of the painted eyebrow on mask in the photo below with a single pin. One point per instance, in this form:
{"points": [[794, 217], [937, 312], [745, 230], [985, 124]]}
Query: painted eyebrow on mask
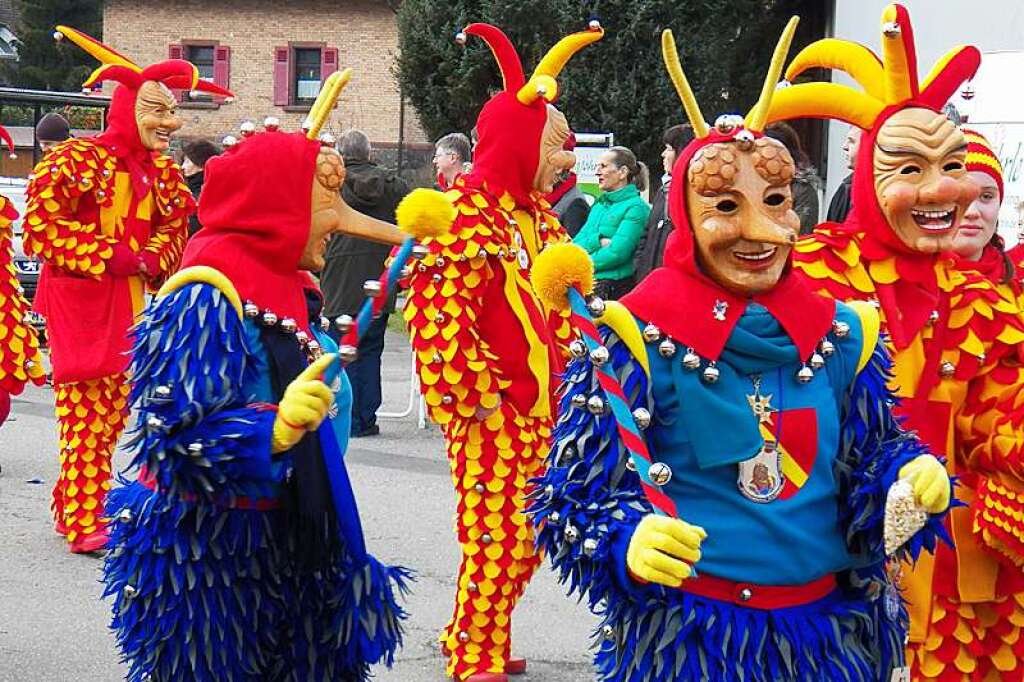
{"points": [[917, 152]]}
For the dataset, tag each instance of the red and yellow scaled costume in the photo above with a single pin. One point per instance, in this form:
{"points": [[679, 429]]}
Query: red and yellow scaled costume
{"points": [[486, 348], [108, 216], [953, 337], [20, 360]]}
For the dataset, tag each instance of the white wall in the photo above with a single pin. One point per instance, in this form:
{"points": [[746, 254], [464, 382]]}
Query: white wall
{"points": [[990, 25]]}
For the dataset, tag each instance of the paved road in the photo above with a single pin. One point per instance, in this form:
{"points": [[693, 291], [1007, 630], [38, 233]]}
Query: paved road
{"points": [[53, 624]]}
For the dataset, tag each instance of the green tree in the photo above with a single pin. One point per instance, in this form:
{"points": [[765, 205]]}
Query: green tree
{"points": [[42, 64], [618, 84]]}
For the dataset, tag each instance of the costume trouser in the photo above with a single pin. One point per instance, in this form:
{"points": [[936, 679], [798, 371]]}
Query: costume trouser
{"points": [[364, 375], [492, 462], [977, 642], [91, 416]]}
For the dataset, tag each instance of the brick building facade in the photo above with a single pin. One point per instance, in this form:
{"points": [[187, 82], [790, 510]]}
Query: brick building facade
{"points": [[273, 54]]}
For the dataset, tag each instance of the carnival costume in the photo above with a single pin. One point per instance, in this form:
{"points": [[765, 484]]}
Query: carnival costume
{"points": [[729, 421], [20, 360], [107, 215], [238, 554], [951, 332], [486, 348]]}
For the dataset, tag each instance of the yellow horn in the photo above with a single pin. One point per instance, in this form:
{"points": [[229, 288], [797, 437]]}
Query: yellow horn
{"points": [[675, 71], [824, 100], [758, 116], [103, 53], [551, 65], [857, 61], [896, 62], [325, 101]]}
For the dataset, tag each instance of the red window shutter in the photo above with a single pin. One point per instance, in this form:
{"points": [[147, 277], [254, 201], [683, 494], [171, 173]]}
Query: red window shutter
{"points": [[328, 62], [175, 51], [281, 76], [222, 66]]}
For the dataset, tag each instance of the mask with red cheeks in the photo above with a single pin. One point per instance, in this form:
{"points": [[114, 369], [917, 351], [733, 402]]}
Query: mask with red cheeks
{"points": [[921, 179], [740, 209]]}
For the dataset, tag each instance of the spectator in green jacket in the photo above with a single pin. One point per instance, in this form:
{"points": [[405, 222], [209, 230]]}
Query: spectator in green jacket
{"points": [[616, 222]]}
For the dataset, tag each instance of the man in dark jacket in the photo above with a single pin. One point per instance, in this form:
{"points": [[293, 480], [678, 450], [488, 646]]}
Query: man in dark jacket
{"points": [[651, 248], [842, 200], [351, 261], [197, 153]]}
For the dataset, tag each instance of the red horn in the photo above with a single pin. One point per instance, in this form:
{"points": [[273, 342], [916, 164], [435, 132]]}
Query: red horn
{"points": [[505, 54]]}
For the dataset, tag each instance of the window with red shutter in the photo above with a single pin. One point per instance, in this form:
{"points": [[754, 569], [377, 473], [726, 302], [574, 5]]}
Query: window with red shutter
{"points": [[282, 79], [177, 51], [329, 62]]}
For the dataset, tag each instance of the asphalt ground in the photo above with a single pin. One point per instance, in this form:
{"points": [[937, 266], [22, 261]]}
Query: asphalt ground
{"points": [[53, 624]]}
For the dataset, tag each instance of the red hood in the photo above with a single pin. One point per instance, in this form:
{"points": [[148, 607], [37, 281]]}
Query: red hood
{"points": [[256, 222], [508, 150], [679, 298]]}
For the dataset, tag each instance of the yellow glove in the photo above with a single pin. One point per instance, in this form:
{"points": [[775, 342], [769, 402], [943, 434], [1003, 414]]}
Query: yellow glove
{"points": [[662, 549], [303, 406], [930, 482]]}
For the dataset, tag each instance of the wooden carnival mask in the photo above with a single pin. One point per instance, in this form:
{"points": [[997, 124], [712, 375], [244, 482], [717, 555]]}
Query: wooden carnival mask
{"points": [[553, 158], [740, 209], [921, 178], [156, 116]]}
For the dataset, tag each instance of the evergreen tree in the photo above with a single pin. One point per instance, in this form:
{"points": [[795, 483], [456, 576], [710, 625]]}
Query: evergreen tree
{"points": [[618, 84], [42, 64]]}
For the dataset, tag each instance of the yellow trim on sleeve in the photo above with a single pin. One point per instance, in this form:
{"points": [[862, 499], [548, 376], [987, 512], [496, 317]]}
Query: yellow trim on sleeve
{"points": [[871, 326]]}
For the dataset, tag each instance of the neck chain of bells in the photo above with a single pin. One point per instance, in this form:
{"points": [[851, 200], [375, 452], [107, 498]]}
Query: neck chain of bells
{"points": [[268, 319]]}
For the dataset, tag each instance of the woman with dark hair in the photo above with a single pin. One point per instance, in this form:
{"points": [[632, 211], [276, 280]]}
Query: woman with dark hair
{"points": [[806, 184], [616, 222], [651, 249], [977, 244]]}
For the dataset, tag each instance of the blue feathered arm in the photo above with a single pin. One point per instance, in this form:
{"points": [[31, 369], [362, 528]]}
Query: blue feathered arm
{"points": [[873, 447], [197, 434], [588, 504]]}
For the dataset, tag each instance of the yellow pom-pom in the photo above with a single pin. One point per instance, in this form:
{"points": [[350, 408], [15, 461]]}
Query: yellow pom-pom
{"points": [[559, 267], [425, 213]]}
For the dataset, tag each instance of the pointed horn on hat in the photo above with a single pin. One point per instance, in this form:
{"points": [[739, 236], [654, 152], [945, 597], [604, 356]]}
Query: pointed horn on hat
{"points": [[857, 61], [103, 53], [330, 91], [758, 116], [899, 56], [675, 71], [544, 81], [509, 63]]}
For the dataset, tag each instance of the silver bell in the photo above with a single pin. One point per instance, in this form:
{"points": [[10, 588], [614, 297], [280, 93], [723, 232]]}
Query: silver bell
{"points": [[630, 464], [589, 546], [642, 418], [711, 374], [228, 141], [372, 288], [651, 333], [343, 323], [479, 487], [486, 538], [463, 636], [348, 353], [419, 251], [827, 348], [817, 362], [805, 374], [595, 404], [247, 128], [841, 329], [473, 587], [271, 123], [608, 632], [578, 349], [289, 325], [599, 356], [667, 348], [125, 516], [947, 369], [571, 534], [691, 360], [269, 319], [129, 592], [595, 305], [195, 449], [251, 310], [660, 473], [554, 517], [594, 25], [578, 400], [447, 400], [891, 29], [154, 422], [745, 140], [302, 337], [933, 317], [162, 391]]}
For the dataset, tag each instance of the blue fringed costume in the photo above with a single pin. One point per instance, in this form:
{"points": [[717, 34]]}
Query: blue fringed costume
{"points": [[769, 425], [229, 563]]}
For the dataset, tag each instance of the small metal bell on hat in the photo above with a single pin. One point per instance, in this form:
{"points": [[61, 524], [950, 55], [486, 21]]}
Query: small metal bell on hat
{"points": [[589, 546], [578, 400], [343, 323], [572, 535], [372, 288], [348, 353], [660, 473], [841, 329], [247, 128], [250, 310], [271, 123], [711, 374], [827, 348], [595, 404], [651, 333], [691, 360], [269, 319], [817, 361], [595, 305], [577, 349], [667, 348], [805, 374], [289, 325], [599, 356]]}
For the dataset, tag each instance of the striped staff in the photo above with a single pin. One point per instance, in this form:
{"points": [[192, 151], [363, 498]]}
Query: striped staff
{"points": [[560, 275]]}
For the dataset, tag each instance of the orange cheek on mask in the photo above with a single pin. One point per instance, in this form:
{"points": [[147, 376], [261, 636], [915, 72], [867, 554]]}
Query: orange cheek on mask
{"points": [[899, 197]]}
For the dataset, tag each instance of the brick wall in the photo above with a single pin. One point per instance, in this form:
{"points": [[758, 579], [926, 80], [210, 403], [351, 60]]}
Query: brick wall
{"points": [[363, 31]]}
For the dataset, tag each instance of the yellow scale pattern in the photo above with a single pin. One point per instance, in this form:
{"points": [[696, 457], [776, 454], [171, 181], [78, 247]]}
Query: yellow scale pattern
{"points": [[20, 359], [92, 414]]}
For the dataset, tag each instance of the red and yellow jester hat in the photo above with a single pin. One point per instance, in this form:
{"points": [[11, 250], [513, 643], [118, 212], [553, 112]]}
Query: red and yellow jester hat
{"points": [[680, 298], [511, 123], [122, 135], [982, 158], [890, 84]]}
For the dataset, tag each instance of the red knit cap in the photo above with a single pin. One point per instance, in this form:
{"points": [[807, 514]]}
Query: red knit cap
{"points": [[981, 158]]}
